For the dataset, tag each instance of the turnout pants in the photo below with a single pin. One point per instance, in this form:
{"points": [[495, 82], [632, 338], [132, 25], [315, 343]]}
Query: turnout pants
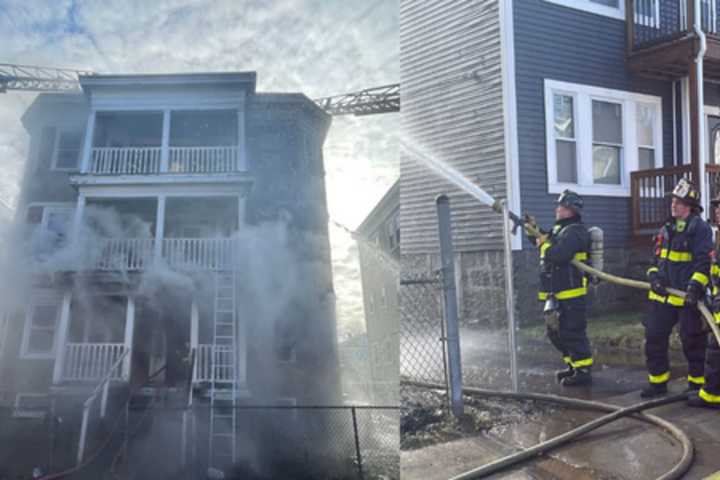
{"points": [[658, 326], [571, 338], [711, 391]]}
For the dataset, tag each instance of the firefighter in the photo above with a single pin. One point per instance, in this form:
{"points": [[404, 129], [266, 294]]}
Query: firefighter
{"points": [[709, 394], [564, 289], [682, 261]]}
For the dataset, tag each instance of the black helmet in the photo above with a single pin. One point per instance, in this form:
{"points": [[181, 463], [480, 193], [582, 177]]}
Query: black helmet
{"points": [[571, 200], [686, 192]]}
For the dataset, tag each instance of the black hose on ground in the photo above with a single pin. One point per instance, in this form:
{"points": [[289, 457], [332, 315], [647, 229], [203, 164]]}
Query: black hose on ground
{"points": [[615, 413]]}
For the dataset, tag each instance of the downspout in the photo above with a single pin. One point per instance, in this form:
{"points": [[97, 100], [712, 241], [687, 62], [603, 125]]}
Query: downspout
{"points": [[699, 60]]}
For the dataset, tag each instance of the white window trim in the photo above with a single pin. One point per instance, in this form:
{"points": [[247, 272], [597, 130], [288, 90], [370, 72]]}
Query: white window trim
{"points": [[45, 299], [56, 147], [582, 109], [592, 7]]}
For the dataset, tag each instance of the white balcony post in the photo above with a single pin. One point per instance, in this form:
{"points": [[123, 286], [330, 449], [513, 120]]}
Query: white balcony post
{"points": [[159, 227], [87, 145], [241, 154], [61, 340], [165, 151], [129, 329], [194, 333]]}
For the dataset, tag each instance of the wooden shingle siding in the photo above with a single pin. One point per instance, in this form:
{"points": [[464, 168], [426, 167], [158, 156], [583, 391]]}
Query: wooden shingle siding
{"points": [[566, 44], [452, 104]]}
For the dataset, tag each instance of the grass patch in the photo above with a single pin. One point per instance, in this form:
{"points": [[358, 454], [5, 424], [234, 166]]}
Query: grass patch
{"points": [[622, 330]]}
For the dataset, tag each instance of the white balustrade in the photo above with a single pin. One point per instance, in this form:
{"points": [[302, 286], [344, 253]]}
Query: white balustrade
{"points": [[202, 159], [198, 253], [125, 160], [207, 356], [92, 361], [125, 254]]}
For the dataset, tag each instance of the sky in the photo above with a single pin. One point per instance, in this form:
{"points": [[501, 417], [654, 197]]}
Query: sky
{"points": [[317, 47]]}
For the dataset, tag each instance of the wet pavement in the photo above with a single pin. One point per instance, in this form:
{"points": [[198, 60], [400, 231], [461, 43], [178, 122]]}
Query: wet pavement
{"points": [[627, 449]]}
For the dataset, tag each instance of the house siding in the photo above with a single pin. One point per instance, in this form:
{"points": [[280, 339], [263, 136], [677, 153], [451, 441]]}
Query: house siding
{"points": [[566, 44], [452, 105]]}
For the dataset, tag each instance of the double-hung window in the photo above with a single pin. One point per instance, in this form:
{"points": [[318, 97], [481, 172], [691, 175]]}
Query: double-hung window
{"points": [[40, 325], [68, 147], [596, 136]]}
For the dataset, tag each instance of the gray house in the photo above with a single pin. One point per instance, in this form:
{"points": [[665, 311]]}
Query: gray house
{"points": [[171, 245], [529, 97], [378, 239]]}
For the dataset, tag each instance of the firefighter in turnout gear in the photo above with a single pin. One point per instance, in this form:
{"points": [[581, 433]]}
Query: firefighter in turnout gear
{"points": [[709, 394], [681, 260], [564, 289]]}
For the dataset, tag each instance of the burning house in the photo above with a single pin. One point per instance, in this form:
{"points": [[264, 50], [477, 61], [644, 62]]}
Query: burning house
{"points": [[172, 245]]}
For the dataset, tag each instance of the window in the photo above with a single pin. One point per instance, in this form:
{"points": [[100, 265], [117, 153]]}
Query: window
{"points": [[645, 117], [40, 323], [607, 142], [596, 137], [393, 232], [564, 128], [52, 224], [31, 405], [608, 8], [68, 145]]}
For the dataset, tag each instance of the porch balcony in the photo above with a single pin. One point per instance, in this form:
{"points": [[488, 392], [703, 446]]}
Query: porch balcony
{"points": [[91, 362], [660, 39], [649, 189], [167, 142]]}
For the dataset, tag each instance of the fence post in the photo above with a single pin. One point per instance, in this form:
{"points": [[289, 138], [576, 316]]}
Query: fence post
{"points": [[510, 300], [357, 442], [450, 304]]}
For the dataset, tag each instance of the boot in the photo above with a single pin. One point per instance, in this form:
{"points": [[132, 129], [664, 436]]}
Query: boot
{"points": [[560, 374], [654, 390], [697, 401], [580, 377]]}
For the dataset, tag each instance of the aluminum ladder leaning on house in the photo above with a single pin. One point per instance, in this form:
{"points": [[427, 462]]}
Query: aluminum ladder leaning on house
{"points": [[224, 389]]}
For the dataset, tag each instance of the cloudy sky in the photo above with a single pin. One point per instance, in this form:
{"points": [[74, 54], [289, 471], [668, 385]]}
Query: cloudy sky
{"points": [[318, 47]]}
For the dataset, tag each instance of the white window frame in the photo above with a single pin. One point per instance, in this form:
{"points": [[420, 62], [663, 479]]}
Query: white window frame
{"points": [[592, 7], [40, 300], [583, 95], [56, 148]]}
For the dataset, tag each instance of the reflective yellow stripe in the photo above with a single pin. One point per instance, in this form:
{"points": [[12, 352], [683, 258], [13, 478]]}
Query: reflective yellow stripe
{"points": [[582, 256], [675, 256], [585, 362], [696, 380], [651, 270], [673, 300], [574, 293], [567, 360], [715, 290], [709, 397], [701, 278], [715, 270], [716, 315], [659, 378], [543, 249], [542, 296]]}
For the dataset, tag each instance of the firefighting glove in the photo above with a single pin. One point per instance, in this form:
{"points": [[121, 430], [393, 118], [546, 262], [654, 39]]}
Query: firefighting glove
{"points": [[657, 285], [692, 295]]}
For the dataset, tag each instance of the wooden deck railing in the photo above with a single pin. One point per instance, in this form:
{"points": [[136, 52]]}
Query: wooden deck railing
{"points": [[651, 22], [650, 189]]}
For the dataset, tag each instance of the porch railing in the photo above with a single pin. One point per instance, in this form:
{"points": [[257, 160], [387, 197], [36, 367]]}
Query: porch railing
{"points": [[86, 362], [148, 160], [202, 159], [125, 160], [209, 355], [649, 191], [126, 254], [136, 254], [198, 253], [650, 22]]}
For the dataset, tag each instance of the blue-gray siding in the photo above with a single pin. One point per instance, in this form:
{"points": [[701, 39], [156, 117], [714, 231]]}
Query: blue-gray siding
{"points": [[565, 44]]}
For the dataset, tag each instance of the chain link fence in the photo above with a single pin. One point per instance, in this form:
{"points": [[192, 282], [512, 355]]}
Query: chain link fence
{"points": [[422, 331]]}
